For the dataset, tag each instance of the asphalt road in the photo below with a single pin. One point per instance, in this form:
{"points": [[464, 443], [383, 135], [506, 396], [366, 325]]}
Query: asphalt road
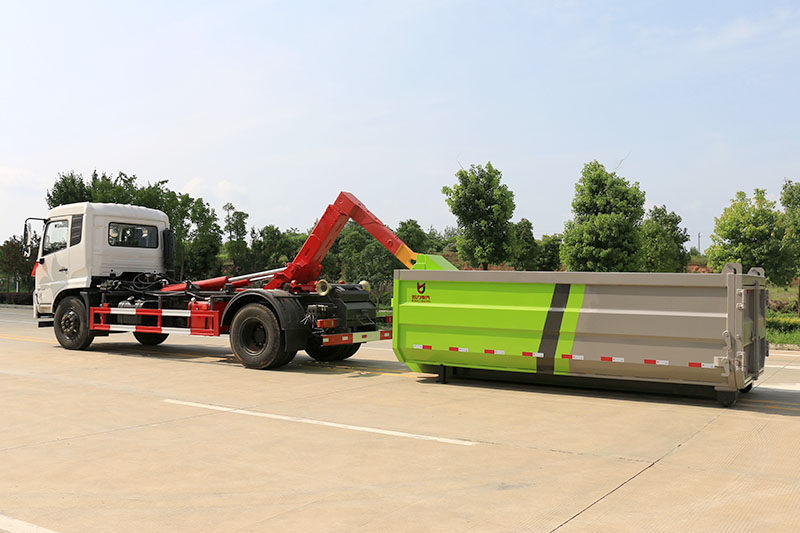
{"points": [[181, 438]]}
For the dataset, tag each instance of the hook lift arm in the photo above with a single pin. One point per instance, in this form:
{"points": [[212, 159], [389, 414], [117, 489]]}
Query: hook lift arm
{"points": [[302, 273]]}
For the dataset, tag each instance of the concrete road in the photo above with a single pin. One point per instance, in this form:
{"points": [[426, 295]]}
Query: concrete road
{"points": [[181, 438]]}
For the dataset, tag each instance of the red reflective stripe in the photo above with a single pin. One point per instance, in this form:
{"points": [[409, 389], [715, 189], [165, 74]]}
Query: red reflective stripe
{"points": [[696, 365], [33, 272], [426, 347], [453, 349], [148, 312], [387, 334], [606, 358], [527, 354], [566, 356], [649, 361]]}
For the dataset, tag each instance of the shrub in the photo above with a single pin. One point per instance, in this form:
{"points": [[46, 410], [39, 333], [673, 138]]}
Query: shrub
{"points": [[783, 306], [18, 298], [783, 323]]}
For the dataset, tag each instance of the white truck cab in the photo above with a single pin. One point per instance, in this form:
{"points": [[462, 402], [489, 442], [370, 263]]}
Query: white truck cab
{"points": [[89, 241]]}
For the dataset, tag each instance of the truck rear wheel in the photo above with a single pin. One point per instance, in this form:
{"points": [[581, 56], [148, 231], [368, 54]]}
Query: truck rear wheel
{"points": [[256, 338], [71, 324], [327, 354], [150, 339]]}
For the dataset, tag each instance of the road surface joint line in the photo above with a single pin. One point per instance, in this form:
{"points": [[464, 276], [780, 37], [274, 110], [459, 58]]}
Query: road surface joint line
{"points": [[311, 421], [637, 474], [12, 525]]}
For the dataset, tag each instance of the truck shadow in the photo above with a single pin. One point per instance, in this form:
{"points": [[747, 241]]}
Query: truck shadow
{"points": [[175, 352]]}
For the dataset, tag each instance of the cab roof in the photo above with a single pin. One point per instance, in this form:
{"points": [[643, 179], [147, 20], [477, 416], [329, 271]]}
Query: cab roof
{"points": [[103, 209]]}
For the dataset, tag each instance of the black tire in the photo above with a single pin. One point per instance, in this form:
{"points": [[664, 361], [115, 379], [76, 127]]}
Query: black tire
{"points": [[256, 338], [71, 324], [727, 398], [150, 339], [288, 357], [326, 354], [746, 389]]}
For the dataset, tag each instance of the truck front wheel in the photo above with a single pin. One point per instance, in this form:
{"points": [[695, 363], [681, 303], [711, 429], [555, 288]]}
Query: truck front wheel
{"points": [[256, 338], [71, 324]]}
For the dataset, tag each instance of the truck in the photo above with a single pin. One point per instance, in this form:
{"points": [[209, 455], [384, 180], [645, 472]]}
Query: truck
{"points": [[109, 268]]}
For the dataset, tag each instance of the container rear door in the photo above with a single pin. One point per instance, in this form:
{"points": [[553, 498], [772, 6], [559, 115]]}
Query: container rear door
{"points": [[754, 330]]}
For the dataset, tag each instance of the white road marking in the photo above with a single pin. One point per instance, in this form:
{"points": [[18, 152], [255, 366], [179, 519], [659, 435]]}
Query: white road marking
{"points": [[12, 525], [787, 366], [31, 321], [781, 386], [323, 423]]}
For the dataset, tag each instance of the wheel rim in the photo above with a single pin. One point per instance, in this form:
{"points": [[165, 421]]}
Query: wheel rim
{"points": [[254, 336], [70, 324]]}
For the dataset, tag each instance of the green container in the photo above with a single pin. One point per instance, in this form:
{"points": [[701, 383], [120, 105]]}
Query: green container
{"points": [[699, 329]]}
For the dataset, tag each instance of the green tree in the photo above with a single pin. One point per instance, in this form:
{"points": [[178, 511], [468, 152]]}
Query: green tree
{"points": [[751, 231], [483, 208], [604, 235], [121, 189], [790, 199], [236, 247], [526, 252], [413, 235], [364, 258], [14, 267], [549, 253], [69, 188], [203, 244], [663, 242], [266, 248]]}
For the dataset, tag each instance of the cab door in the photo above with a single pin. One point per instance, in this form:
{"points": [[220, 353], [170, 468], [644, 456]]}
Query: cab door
{"points": [[52, 273]]}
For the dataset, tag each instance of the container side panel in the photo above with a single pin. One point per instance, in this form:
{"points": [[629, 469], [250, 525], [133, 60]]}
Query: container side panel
{"points": [[652, 332], [662, 331], [474, 324]]}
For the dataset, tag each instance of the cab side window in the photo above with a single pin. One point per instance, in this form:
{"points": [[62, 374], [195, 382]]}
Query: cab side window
{"points": [[55, 236], [132, 235]]}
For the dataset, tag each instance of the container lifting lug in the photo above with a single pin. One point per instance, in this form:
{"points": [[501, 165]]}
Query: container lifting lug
{"points": [[724, 363]]}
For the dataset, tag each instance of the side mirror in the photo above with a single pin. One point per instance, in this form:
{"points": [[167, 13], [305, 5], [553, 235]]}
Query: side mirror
{"points": [[27, 239]]}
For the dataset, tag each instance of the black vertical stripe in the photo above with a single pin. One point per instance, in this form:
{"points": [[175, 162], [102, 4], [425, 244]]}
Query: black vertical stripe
{"points": [[552, 327]]}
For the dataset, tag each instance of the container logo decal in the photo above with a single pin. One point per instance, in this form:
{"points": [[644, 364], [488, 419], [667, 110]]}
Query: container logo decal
{"points": [[421, 298]]}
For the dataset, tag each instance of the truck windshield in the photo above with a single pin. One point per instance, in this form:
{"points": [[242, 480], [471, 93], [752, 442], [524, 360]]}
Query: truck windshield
{"points": [[132, 235], [55, 236]]}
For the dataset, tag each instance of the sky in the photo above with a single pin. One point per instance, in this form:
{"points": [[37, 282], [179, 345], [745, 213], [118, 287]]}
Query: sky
{"points": [[278, 106]]}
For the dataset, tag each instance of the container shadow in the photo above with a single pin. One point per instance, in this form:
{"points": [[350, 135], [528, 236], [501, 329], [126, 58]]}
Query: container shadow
{"points": [[766, 401]]}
